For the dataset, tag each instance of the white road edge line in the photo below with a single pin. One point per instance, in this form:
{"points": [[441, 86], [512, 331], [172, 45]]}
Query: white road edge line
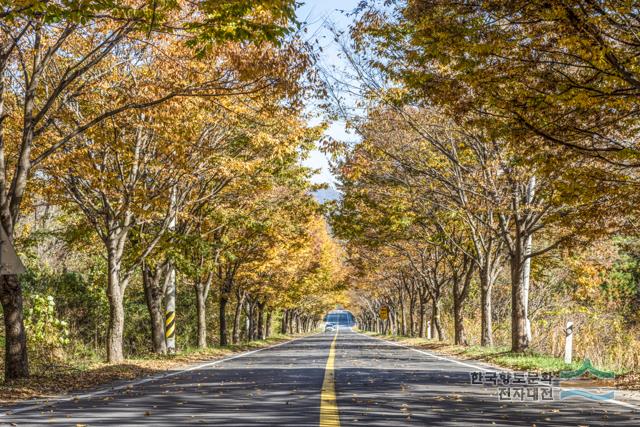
{"points": [[134, 383], [612, 401]]}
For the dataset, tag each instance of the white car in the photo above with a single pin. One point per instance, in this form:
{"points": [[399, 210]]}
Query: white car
{"points": [[329, 327]]}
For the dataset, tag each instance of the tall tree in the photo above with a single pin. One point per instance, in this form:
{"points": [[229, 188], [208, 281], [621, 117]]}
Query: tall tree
{"points": [[55, 49]]}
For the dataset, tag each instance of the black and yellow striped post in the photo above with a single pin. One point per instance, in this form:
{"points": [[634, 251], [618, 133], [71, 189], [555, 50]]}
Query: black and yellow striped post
{"points": [[170, 326], [170, 293], [170, 313]]}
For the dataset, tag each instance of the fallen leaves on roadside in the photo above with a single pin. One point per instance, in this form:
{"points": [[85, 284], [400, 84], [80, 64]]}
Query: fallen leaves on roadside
{"points": [[628, 381], [48, 381]]}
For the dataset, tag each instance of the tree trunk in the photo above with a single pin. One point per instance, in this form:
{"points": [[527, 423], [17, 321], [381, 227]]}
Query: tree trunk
{"points": [[458, 320], [16, 363], [16, 360], [393, 322], [115, 353], [284, 322], [153, 297], [403, 318], [422, 319], [201, 303], [261, 334], [486, 286], [461, 286], [412, 304], [202, 292], [435, 318], [290, 321], [519, 341], [115, 294], [252, 323], [236, 316], [223, 301], [267, 329]]}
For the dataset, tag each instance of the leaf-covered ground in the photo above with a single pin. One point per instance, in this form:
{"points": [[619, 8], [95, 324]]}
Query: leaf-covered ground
{"points": [[54, 380]]}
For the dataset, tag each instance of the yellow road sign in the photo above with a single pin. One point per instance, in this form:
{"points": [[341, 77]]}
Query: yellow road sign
{"points": [[384, 313]]}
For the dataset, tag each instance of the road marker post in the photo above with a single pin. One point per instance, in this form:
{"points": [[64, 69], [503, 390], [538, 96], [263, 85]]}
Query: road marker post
{"points": [[170, 290], [568, 343]]}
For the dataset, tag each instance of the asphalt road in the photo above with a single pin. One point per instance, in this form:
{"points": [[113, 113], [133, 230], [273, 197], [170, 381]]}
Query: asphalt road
{"points": [[363, 382]]}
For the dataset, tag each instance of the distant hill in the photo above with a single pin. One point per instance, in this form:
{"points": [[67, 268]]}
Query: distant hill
{"points": [[326, 194]]}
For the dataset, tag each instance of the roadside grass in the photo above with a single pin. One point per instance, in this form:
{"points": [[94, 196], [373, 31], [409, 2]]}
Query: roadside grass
{"points": [[89, 371], [530, 361], [499, 356]]}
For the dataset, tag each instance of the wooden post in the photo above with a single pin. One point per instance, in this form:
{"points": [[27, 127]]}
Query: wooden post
{"points": [[568, 343]]}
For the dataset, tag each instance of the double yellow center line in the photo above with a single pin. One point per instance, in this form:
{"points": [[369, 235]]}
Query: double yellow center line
{"points": [[329, 416]]}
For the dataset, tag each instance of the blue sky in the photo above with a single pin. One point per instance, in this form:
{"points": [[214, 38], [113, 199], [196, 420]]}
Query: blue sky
{"points": [[315, 13]]}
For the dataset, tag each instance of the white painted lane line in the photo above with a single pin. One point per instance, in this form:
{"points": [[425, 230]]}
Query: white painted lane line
{"points": [[134, 383], [611, 401]]}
